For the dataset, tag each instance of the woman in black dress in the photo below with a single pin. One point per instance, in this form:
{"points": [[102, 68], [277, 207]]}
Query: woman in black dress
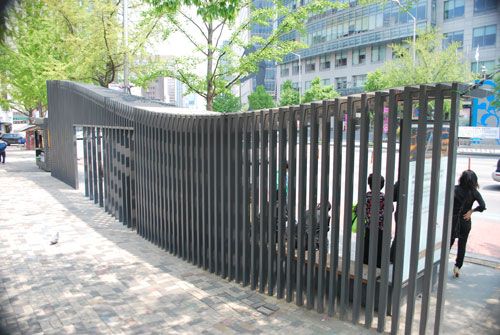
{"points": [[466, 194]]}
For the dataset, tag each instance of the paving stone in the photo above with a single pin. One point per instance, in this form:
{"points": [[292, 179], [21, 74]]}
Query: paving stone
{"points": [[103, 278]]}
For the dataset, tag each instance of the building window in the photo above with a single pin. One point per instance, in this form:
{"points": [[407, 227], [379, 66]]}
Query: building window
{"points": [[341, 59], [295, 85], [453, 8], [489, 66], [358, 81], [341, 83], [310, 65], [456, 36], [285, 71], [324, 62], [295, 67], [359, 56], [484, 36], [326, 82], [484, 5], [378, 53], [307, 85]]}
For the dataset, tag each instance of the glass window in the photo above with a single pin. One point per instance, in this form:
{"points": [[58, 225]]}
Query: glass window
{"points": [[324, 62], [307, 85], [484, 36], [285, 71], [310, 65], [484, 5], [359, 56], [378, 53], [489, 66], [295, 67], [454, 8], [341, 59], [326, 82], [358, 81], [456, 36], [341, 83]]}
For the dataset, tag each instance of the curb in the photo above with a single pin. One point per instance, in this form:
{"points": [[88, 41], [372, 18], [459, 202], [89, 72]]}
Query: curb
{"points": [[480, 260]]}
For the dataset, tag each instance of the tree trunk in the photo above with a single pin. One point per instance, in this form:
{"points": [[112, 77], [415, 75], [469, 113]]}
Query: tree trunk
{"points": [[210, 54]]}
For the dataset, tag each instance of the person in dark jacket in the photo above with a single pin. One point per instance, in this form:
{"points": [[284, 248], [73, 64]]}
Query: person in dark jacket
{"points": [[3, 147], [466, 194]]}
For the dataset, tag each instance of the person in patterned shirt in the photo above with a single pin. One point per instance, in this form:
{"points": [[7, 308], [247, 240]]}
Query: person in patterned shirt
{"points": [[368, 215]]}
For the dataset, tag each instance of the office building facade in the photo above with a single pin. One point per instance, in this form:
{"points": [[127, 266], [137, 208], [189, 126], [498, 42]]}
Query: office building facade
{"points": [[266, 72], [345, 45]]}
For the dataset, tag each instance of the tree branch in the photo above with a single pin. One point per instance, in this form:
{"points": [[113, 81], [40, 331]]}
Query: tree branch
{"points": [[220, 34], [178, 26], [195, 24], [188, 84], [147, 35], [233, 81]]}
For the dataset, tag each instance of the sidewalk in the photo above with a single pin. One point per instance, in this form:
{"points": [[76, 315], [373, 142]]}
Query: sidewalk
{"points": [[102, 278]]}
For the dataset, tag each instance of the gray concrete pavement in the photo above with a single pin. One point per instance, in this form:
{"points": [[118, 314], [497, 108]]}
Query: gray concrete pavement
{"points": [[102, 278]]}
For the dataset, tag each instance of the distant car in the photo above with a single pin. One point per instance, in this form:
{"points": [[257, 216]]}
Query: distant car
{"points": [[13, 138], [496, 174]]}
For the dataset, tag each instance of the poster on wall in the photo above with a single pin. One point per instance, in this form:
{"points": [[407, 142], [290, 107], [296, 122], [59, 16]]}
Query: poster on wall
{"points": [[424, 225]]}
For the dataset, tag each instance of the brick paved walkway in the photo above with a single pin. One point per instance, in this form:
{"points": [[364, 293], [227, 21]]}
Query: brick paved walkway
{"points": [[102, 278]]}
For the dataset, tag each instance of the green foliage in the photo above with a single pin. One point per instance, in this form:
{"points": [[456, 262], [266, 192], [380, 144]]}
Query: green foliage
{"points": [[433, 64], [260, 99], [496, 79], [63, 40], [289, 96], [319, 92], [227, 103], [229, 61]]}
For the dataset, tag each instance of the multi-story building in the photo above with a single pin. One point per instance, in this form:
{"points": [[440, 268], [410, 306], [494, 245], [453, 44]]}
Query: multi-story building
{"points": [[166, 89], [266, 73], [345, 45]]}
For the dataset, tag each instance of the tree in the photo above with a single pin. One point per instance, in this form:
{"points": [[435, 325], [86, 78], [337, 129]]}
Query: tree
{"points": [[319, 92], [260, 99], [289, 95], [53, 39], [433, 64], [219, 43], [227, 103]]}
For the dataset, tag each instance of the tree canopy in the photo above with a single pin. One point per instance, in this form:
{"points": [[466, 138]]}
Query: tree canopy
{"points": [[289, 95], [433, 64], [317, 91], [260, 99], [219, 42], [227, 103], [62, 40]]}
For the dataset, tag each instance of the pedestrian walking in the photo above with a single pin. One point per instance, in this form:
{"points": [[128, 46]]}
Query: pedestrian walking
{"points": [[466, 193], [3, 147]]}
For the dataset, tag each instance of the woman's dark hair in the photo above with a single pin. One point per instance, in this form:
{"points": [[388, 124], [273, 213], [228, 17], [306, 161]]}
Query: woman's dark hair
{"points": [[382, 181], [468, 179]]}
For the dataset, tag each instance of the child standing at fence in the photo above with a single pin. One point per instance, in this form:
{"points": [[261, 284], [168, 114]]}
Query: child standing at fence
{"points": [[466, 194]]}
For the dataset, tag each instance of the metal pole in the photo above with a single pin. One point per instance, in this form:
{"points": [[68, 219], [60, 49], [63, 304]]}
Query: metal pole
{"points": [[300, 76], [414, 28], [125, 43], [414, 38]]}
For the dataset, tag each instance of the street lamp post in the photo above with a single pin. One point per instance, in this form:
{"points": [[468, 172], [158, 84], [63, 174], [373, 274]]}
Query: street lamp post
{"points": [[300, 76], [414, 28]]}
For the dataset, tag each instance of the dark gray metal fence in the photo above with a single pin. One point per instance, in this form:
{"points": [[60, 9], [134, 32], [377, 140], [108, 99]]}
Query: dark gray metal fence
{"points": [[264, 198]]}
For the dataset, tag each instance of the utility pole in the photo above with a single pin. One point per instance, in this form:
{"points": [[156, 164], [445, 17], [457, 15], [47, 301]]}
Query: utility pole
{"points": [[300, 76], [414, 29], [126, 85]]}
